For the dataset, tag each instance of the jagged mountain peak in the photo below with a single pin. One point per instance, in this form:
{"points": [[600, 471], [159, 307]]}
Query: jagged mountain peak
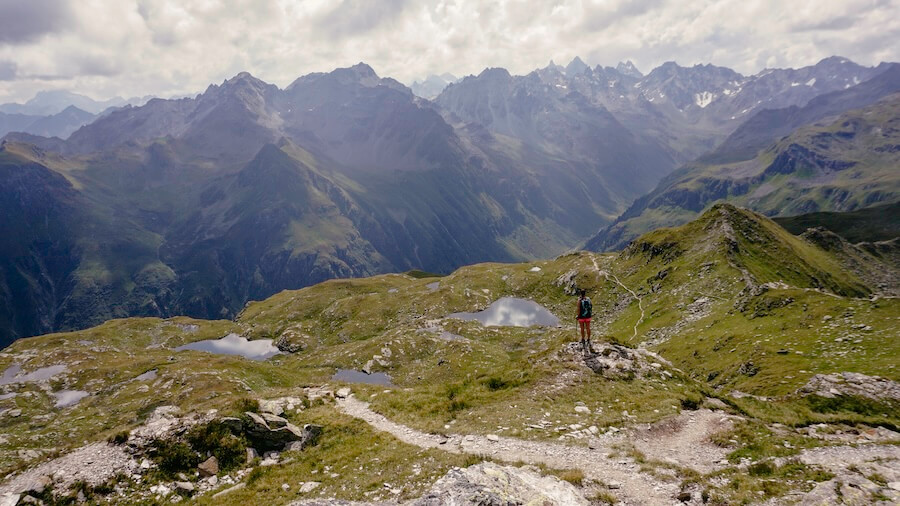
{"points": [[628, 68], [495, 73], [575, 67], [360, 74]]}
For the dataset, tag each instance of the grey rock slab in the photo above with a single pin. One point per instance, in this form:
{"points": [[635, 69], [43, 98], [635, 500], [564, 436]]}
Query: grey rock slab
{"points": [[209, 467], [229, 490], [184, 487], [272, 407], [274, 421]]}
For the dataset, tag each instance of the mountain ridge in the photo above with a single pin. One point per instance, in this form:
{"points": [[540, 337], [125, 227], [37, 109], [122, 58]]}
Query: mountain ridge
{"points": [[525, 169]]}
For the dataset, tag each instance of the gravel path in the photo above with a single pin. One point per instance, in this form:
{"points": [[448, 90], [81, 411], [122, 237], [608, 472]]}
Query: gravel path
{"points": [[685, 440], [92, 464], [635, 488]]}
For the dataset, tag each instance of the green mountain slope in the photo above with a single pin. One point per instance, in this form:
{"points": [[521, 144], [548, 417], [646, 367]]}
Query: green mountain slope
{"points": [[842, 163], [872, 224], [740, 311]]}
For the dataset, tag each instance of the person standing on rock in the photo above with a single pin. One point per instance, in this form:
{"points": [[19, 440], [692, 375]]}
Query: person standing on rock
{"points": [[583, 316]]}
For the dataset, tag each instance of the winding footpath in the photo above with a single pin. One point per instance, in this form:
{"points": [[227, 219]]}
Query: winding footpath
{"points": [[608, 275], [634, 487]]}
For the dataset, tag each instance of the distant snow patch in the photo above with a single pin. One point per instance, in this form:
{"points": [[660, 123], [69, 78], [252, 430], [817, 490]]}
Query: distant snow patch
{"points": [[811, 82], [535, 269], [704, 98]]}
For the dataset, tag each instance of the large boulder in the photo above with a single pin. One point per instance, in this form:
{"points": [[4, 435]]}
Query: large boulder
{"points": [[490, 484], [852, 384], [265, 436]]}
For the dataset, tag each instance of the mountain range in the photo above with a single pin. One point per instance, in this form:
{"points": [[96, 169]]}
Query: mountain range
{"points": [[836, 153], [197, 205]]}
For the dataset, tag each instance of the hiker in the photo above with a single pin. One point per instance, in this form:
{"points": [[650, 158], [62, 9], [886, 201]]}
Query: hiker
{"points": [[584, 318]]}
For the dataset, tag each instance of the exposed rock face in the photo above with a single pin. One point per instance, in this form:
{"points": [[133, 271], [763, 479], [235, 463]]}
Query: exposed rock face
{"points": [[270, 432], [852, 384], [494, 485], [616, 361], [863, 474]]}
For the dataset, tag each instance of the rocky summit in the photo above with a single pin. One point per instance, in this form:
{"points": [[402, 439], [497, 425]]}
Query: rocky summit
{"points": [[731, 362]]}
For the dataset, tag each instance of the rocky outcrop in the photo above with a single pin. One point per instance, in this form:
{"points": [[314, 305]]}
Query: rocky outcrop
{"points": [[852, 384], [615, 361], [272, 432]]}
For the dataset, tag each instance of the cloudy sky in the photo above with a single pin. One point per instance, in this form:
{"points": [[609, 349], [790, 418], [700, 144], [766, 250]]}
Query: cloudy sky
{"points": [[104, 48]]}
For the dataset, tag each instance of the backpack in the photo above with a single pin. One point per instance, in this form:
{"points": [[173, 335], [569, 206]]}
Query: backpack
{"points": [[586, 308]]}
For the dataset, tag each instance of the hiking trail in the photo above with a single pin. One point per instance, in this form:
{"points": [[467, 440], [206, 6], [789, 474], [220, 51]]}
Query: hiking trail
{"points": [[600, 460], [608, 275]]}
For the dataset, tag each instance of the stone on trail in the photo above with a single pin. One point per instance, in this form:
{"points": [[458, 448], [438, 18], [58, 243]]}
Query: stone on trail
{"points": [[209, 467], [343, 393], [582, 409], [490, 483], [493, 438]]}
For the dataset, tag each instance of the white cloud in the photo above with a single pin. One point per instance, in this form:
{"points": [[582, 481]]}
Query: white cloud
{"points": [[170, 47]]}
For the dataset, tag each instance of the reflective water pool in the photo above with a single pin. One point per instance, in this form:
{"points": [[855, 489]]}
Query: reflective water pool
{"points": [[12, 374], [512, 312], [351, 376], [147, 376], [66, 398], [233, 344]]}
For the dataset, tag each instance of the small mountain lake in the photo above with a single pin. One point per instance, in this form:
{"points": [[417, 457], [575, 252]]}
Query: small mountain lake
{"points": [[65, 398], [11, 374], [511, 312], [233, 344], [351, 376]]}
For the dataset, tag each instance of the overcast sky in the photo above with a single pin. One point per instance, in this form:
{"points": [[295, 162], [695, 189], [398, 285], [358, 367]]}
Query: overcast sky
{"points": [[104, 48]]}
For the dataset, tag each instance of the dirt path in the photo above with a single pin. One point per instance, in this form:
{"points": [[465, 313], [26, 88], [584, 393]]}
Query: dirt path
{"points": [[634, 487], [608, 275], [685, 440]]}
